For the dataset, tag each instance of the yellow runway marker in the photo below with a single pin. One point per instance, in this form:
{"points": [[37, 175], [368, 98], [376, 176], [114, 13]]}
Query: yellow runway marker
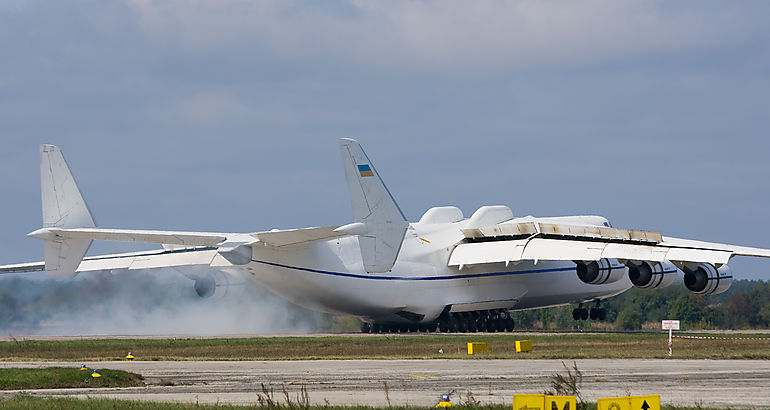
{"points": [[424, 376]]}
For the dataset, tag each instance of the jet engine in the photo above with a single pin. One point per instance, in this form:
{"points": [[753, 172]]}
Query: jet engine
{"points": [[706, 279], [212, 284], [598, 272], [205, 286], [651, 275]]}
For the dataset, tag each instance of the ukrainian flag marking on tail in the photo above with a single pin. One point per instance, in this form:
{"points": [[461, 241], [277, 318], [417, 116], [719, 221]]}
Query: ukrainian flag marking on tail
{"points": [[365, 170]]}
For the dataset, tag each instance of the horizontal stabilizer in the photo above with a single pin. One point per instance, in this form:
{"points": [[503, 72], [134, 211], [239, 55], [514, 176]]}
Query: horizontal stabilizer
{"points": [[202, 256], [23, 267], [133, 235], [297, 236]]}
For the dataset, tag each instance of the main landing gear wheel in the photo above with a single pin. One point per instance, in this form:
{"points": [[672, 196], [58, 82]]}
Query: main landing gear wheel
{"points": [[598, 314], [580, 313], [494, 320], [595, 313]]}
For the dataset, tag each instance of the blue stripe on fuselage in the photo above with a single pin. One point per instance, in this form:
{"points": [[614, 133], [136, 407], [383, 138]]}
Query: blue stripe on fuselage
{"points": [[423, 278]]}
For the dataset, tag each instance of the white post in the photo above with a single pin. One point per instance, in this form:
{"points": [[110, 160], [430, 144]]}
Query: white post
{"points": [[671, 325]]}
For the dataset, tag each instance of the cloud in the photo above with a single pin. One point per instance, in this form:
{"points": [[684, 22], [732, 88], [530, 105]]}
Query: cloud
{"points": [[447, 36], [211, 108]]}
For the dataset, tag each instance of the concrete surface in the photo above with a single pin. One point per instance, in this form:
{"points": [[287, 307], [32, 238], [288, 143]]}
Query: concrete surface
{"points": [[714, 383]]}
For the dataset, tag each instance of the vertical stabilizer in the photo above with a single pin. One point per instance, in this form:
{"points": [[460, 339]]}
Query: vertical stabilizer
{"points": [[63, 207], [380, 223]]}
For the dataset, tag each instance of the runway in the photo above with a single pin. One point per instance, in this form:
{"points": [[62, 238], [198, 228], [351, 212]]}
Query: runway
{"points": [[712, 383]]}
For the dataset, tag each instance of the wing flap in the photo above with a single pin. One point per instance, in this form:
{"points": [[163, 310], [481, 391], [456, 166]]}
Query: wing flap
{"points": [[670, 249], [487, 252], [557, 249]]}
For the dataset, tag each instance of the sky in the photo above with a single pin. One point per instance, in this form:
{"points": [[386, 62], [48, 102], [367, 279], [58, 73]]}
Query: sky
{"points": [[225, 115]]}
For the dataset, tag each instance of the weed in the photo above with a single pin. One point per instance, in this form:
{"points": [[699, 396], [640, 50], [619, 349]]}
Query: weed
{"points": [[266, 398], [387, 393], [469, 400], [568, 384]]}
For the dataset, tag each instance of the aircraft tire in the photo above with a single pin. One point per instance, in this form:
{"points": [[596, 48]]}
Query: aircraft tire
{"points": [[584, 314], [454, 327], [602, 314], [491, 325], [482, 325], [462, 325], [443, 327], [576, 314], [376, 328], [473, 325], [500, 325], [594, 314], [509, 324], [366, 327]]}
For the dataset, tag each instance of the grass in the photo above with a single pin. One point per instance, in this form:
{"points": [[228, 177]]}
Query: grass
{"points": [[64, 403], [64, 377], [426, 346]]}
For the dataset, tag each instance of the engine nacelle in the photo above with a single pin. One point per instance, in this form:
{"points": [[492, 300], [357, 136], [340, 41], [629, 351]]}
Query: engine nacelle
{"points": [[214, 284], [598, 272], [651, 275], [706, 279], [205, 286]]}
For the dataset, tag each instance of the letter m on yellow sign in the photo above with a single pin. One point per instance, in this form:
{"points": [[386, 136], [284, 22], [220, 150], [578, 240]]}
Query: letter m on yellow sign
{"points": [[560, 403]]}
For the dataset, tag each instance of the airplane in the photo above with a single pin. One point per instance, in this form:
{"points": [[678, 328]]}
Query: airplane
{"points": [[445, 272]]}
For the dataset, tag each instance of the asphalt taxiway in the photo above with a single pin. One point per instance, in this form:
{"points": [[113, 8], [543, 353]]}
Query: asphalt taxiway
{"points": [[711, 383]]}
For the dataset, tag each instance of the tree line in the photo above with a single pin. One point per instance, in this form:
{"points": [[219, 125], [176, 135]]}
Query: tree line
{"points": [[746, 305]]}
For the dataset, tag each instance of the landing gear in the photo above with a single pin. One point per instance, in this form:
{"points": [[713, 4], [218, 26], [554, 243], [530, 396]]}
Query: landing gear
{"points": [[598, 314], [580, 313], [496, 320], [595, 313]]}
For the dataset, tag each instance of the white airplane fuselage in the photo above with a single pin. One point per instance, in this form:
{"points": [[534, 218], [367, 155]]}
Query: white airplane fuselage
{"points": [[444, 271], [330, 276]]}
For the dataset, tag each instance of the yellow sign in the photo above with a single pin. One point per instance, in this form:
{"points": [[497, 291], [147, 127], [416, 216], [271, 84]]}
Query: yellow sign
{"points": [[477, 347], [529, 402], [560, 403], [523, 346], [649, 402], [543, 402]]}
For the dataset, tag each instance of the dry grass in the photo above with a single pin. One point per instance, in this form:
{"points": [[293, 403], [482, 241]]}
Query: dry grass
{"points": [[64, 403], [571, 346]]}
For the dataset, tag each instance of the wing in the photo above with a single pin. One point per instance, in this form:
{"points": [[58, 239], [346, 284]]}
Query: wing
{"points": [[540, 241]]}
